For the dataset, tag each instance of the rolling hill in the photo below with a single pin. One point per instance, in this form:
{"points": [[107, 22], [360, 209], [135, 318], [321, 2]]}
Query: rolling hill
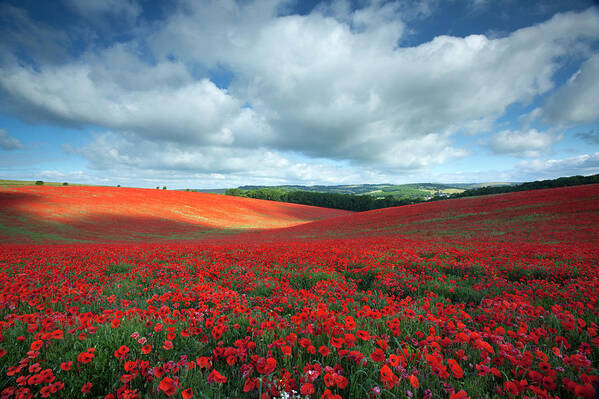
{"points": [[92, 213], [404, 191]]}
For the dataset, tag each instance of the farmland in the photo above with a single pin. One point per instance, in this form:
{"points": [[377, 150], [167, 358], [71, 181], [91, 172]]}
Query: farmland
{"points": [[491, 296], [39, 214]]}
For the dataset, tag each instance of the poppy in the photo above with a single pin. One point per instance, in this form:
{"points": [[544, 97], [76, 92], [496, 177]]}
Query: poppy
{"points": [[378, 355], [217, 377], [455, 368], [187, 393], [86, 388], [307, 389], [168, 386], [414, 381]]}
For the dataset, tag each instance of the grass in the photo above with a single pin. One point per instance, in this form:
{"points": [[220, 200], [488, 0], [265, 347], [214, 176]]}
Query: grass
{"points": [[9, 183]]}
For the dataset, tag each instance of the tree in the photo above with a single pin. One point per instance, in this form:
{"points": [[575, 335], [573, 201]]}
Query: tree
{"points": [[235, 192], [65, 184], [39, 183], [164, 187]]}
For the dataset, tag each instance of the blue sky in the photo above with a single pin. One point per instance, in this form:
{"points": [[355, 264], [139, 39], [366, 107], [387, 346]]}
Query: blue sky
{"points": [[209, 94]]}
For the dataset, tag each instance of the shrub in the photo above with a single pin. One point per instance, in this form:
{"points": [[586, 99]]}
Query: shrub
{"points": [[65, 184], [39, 183]]}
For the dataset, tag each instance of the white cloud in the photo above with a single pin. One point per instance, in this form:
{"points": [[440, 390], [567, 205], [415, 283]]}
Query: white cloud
{"points": [[578, 100], [161, 101], [586, 164], [329, 89], [8, 142], [332, 85], [131, 155], [528, 144]]}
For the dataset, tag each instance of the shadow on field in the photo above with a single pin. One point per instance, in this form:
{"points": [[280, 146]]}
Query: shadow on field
{"points": [[20, 223], [10, 200]]}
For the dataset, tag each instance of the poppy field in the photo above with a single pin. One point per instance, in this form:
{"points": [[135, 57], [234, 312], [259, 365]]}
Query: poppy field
{"points": [[42, 214], [473, 298]]}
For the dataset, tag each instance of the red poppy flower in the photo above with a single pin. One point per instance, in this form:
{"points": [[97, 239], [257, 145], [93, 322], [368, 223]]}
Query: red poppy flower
{"points": [[204, 362], [86, 388], [459, 395], [168, 386], [341, 381], [187, 393], [378, 355], [324, 351], [217, 377], [36, 345], [414, 381], [121, 352], [307, 389], [388, 377], [217, 332], [85, 357], [286, 350], [455, 368]]}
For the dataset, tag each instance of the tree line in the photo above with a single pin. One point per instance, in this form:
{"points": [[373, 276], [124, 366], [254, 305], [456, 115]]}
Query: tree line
{"points": [[348, 202], [535, 185], [360, 203]]}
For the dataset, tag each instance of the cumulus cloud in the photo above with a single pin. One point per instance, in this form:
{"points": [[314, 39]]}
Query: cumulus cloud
{"points": [[527, 144], [140, 157], [578, 100], [586, 164], [341, 92], [331, 85], [160, 101], [8, 142]]}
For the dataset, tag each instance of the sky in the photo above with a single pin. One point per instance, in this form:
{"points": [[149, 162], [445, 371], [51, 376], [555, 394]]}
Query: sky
{"points": [[216, 94]]}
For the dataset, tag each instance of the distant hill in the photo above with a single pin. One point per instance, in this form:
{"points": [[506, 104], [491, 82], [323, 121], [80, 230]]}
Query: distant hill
{"points": [[414, 191]]}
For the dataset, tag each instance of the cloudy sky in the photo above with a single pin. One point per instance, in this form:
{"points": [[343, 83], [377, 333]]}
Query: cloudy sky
{"points": [[207, 94]]}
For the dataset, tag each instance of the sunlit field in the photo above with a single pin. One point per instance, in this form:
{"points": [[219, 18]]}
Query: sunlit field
{"points": [[41, 214], [479, 297]]}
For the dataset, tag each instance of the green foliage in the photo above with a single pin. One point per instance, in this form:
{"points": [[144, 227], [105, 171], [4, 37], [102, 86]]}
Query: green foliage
{"points": [[535, 185], [305, 281], [39, 183], [119, 267], [65, 184], [347, 202], [364, 277], [371, 195]]}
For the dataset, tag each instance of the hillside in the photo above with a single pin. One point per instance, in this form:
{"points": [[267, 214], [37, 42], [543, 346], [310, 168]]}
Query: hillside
{"points": [[403, 191], [459, 293], [547, 212], [64, 214]]}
